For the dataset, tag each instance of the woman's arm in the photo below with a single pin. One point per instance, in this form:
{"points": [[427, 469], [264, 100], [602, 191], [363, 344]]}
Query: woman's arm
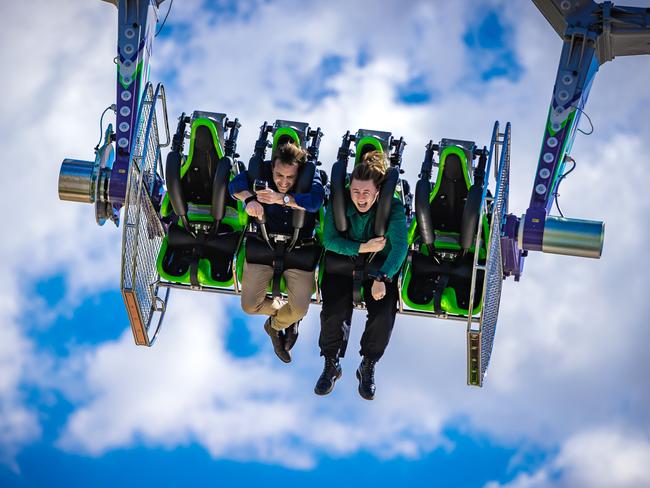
{"points": [[333, 241]]}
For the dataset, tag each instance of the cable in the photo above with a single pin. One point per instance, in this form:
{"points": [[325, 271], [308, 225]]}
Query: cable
{"points": [[590, 122], [556, 194], [112, 107], [165, 19]]}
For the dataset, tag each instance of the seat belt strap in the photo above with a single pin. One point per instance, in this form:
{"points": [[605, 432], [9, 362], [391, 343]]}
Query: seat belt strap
{"points": [[278, 268], [358, 276]]}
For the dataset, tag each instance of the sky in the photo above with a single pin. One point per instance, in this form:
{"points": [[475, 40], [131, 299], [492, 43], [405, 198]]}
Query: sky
{"points": [[566, 399]]}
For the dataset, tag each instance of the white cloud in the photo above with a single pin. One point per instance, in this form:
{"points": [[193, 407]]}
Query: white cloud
{"points": [[190, 389], [18, 422], [53, 76], [606, 457], [569, 349]]}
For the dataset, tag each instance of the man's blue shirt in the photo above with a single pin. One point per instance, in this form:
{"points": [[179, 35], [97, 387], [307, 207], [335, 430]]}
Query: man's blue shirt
{"points": [[279, 217]]}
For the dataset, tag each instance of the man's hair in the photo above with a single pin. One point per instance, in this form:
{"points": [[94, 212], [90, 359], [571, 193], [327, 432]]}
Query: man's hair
{"points": [[373, 166], [290, 154]]}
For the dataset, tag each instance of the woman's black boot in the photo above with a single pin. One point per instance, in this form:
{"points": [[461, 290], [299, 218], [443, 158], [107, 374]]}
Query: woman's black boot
{"points": [[366, 377], [331, 372]]}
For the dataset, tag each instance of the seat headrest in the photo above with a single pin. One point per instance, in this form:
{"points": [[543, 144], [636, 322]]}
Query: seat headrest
{"points": [[452, 169], [288, 131], [371, 140]]}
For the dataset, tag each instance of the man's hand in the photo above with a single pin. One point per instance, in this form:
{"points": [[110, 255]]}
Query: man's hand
{"points": [[373, 245], [269, 196], [378, 290], [255, 209]]}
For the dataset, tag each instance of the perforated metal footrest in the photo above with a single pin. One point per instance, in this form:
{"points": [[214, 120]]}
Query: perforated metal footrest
{"points": [[143, 232]]}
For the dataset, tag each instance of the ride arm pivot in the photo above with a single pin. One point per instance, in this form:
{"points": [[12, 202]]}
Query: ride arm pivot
{"points": [[78, 180], [593, 33]]}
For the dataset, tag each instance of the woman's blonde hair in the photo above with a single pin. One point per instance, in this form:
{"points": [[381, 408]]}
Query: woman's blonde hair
{"points": [[373, 166]]}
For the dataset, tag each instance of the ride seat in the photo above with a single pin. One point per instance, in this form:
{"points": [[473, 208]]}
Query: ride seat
{"points": [[358, 268], [206, 223], [282, 254], [438, 275]]}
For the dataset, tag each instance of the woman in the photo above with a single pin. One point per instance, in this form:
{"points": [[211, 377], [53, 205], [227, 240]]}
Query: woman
{"points": [[380, 290]]}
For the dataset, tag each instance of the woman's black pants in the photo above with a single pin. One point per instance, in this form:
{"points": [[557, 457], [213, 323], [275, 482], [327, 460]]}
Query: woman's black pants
{"points": [[336, 317]]}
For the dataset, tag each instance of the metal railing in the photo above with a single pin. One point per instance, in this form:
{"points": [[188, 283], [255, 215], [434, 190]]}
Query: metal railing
{"points": [[143, 232], [480, 339]]}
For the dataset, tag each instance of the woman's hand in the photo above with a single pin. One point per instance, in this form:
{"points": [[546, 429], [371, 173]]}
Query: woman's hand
{"points": [[375, 244], [378, 290], [269, 197], [255, 209]]}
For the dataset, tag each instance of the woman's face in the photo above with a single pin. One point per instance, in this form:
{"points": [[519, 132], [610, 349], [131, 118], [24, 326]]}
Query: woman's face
{"points": [[363, 194]]}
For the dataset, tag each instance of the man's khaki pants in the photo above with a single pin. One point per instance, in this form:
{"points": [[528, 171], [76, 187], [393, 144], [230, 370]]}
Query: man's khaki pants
{"points": [[255, 283]]}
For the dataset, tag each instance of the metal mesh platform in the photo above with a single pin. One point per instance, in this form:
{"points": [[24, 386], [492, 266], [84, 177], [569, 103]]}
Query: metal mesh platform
{"points": [[480, 339], [143, 232]]}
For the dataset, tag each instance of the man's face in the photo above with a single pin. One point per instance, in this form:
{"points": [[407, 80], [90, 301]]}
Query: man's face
{"points": [[363, 194], [284, 176]]}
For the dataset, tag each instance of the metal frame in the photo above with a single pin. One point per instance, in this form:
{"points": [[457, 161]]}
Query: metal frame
{"points": [[480, 340], [143, 231]]}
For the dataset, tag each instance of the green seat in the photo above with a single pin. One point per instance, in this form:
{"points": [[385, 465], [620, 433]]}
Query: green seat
{"points": [[202, 254], [443, 267], [364, 141]]}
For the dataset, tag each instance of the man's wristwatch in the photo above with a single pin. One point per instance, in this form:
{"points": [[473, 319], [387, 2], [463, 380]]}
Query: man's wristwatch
{"points": [[249, 199], [286, 200]]}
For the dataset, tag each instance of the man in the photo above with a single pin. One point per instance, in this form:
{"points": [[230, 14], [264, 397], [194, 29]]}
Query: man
{"points": [[276, 204]]}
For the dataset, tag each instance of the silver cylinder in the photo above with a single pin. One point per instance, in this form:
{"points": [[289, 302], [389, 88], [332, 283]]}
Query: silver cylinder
{"points": [[77, 180], [573, 237]]}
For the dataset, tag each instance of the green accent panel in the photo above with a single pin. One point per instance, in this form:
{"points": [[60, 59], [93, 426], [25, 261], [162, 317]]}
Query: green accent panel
{"points": [[454, 246], [443, 158], [321, 225], [176, 279], [205, 273], [412, 235], [368, 140], [569, 120], [136, 74], [243, 216], [560, 167], [215, 138], [239, 268], [165, 206], [321, 270], [285, 131], [412, 232]]}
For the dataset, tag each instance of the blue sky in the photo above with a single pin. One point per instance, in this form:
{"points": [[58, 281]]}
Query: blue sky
{"points": [[566, 400]]}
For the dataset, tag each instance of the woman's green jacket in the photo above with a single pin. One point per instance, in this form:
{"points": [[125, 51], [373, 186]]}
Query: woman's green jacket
{"points": [[361, 229]]}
